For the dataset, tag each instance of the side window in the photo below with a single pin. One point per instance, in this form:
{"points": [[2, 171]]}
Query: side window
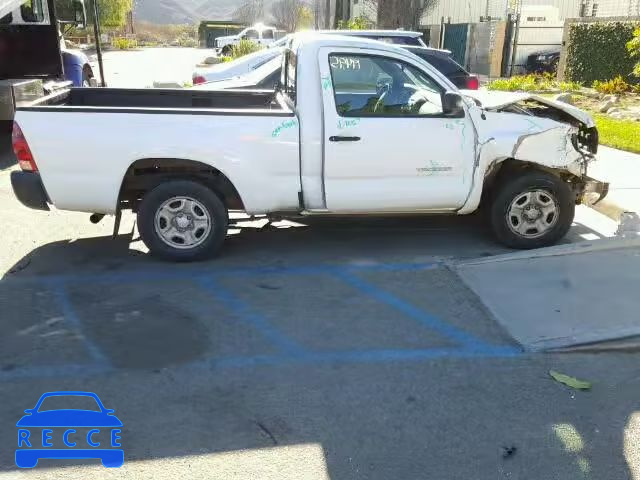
{"points": [[251, 35], [368, 85], [267, 34], [32, 11]]}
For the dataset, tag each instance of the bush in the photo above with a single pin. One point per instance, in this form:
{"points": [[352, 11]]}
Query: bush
{"points": [[633, 46], [123, 43], [533, 83], [179, 35], [615, 86], [245, 47], [184, 40], [598, 51]]}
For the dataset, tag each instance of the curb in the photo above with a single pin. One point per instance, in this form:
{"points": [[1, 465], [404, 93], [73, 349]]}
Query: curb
{"points": [[557, 250]]}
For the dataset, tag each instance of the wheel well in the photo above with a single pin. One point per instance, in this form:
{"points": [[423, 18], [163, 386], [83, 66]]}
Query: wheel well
{"points": [[145, 174], [510, 167]]}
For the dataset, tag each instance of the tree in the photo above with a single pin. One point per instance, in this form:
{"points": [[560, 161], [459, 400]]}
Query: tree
{"points": [[250, 12], [358, 23], [113, 13], [291, 14], [403, 13]]}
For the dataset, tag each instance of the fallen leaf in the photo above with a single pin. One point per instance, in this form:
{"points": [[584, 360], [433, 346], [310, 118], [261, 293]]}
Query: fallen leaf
{"points": [[570, 381]]}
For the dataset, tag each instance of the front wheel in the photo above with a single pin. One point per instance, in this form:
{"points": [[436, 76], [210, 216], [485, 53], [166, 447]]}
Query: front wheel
{"points": [[533, 210], [182, 220]]}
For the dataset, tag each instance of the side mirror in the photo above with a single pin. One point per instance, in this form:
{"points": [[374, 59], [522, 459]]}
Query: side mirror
{"points": [[452, 105], [80, 14]]}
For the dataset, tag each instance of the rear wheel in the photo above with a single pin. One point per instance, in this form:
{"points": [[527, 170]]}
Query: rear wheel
{"points": [[533, 210], [182, 220]]}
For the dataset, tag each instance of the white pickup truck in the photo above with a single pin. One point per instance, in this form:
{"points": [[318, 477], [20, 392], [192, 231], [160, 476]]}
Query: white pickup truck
{"points": [[357, 127], [259, 33]]}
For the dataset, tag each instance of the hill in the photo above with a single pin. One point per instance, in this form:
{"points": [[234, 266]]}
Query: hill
{"points": [[186, 11]]}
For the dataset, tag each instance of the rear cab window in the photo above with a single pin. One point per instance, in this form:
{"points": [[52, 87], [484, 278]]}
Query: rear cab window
{"points": [[288, 74]]}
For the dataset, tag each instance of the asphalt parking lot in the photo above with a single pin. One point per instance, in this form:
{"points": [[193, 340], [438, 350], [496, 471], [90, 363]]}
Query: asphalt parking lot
{"points": [[316, 349]]}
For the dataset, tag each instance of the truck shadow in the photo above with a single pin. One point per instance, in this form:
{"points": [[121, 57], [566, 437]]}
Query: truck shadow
{"points": [[292, 242], [257, 243]]}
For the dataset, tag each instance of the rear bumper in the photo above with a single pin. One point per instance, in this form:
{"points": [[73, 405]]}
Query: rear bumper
{"points": [[29, 189]]}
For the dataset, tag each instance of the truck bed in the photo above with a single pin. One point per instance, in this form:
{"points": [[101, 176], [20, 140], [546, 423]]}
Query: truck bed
{"points": [[140, 99]]}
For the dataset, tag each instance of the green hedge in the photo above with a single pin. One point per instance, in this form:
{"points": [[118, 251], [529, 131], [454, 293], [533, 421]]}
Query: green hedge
{"points": [[598, 51]]}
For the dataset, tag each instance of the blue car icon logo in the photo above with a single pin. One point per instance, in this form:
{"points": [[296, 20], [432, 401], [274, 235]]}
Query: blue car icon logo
{"points": [[84, 434]]}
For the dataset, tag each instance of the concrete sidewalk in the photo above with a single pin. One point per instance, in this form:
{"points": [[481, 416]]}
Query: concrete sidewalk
{"points": [[622, 170], [562, 297]]}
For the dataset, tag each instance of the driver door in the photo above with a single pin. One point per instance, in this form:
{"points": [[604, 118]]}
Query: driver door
{"points": [[388, 145]]}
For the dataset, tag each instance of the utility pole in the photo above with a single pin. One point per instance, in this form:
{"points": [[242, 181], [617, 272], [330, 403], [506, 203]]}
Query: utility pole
{"points": [[96, 33], [327, 14]]}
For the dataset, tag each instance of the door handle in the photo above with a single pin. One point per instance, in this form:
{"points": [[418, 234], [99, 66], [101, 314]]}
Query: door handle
{"points": [[344, 139]]}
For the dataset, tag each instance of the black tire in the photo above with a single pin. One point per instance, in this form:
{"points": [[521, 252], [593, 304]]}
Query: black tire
{"points": [[226, 50], [510, 189], [215, 210]]}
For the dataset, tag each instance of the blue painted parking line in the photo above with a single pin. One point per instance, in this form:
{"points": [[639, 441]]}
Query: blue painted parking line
{"points": [[245, 313], [308, 358], [54, 371], [424, 318], [290, 352], [74, 322], [362, 356], [195, 273]]}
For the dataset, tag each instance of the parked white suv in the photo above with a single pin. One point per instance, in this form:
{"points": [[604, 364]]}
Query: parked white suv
{"points": [[260, 34]]}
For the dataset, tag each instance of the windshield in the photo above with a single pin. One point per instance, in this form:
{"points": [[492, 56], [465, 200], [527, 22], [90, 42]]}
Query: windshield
{"points": [[443, 63], [397, 39], [23, 12], [264, 70]]}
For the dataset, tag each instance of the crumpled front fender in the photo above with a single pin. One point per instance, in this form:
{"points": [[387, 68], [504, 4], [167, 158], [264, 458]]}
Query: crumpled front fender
{"points": [[540, 141]]}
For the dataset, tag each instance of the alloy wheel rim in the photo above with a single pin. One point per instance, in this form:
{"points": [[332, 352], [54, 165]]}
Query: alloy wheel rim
{"points": [[533, 213], [182, 222]]}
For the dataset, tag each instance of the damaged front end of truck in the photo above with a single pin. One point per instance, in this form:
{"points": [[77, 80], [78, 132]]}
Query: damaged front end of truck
{"points": [[524, 129]]}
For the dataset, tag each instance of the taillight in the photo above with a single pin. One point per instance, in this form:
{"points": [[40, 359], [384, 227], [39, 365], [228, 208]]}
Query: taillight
{"points": [[22, 150], [473, 83], [199, 79]]}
